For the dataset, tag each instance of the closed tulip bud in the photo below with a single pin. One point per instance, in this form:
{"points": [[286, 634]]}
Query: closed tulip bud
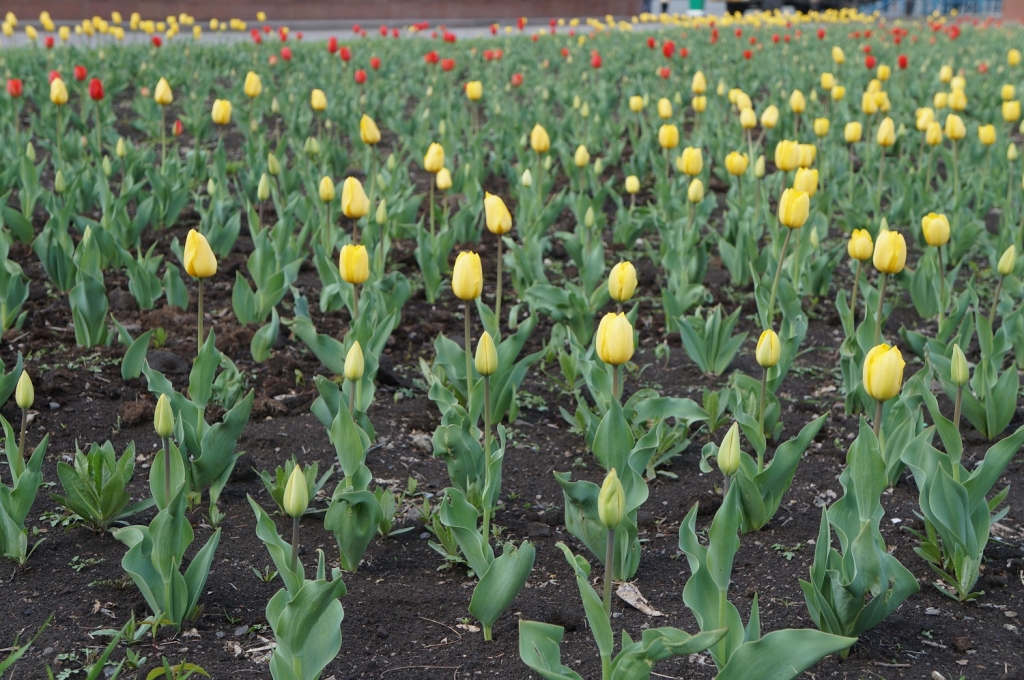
{"points": [[163, 417], [253, 85], [957, 100], [933, 135], [162, 95], [58, 92], [1007, 261], [539, 140], [886, 134], [768, 349], [1012, 154], [443, 179], [354, 363], [793, 208], [582, 156], [838, 92], [668, 136], [860, 245], [107, 168], [273, 165], [695, 192], [890, 254], [589, 219], [433, 160], [24, 393], [211, 186], [622, 281], [987, 134], [327, 189], [263, 190], [729, 451], [743, 101], [598, 167], [759, 167], [787, 155], [368, 130], [611, 501], [354, 264], [275, 106], [720, 90], [946, 73], [883, 372], [736, 163], [828, 81], [121, 149], [883, 72], [797, 102], [548, 162], [837, 54], [221, 113], [527, 178], [852, 132], [474, 90], [354, 203], [959, 373], [467, 276], [770, 117], [806, 180], [318, 100], [59, 184], [486, 355], [868, 104], [821, 126], [699, 84], [200, 261], [808, 152], [615, 339], [664, 108], [381, 215], [1007, 92], [748, 119], [1011, 111], [693, 161], [935, 228], [632, 184], [1013, 57], [498, 218], [955, 128], [296, 493], [636, 103], [940, 100]]}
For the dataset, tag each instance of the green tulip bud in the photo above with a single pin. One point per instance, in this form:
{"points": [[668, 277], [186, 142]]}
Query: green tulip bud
{"points": [[1008, 261], [275, 108], [759, 167], [441, 128], [381, 216], [273, 165], [958, 371], [729, 451], [59, 185], [527, 178], [430, 90], [107, 170], [24, 393], [611, 501], [585, 110], [391, 163], [296, 493], [588, 218], [263, 190], [547, 162], [524, 141], [211, 186], [30, 152], [354, 363], [121, 150], [163, 417], [598, 167]]}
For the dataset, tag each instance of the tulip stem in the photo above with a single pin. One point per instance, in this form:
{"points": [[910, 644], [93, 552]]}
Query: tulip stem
{"points": [[609, 568], [355, 303], [469, 357], [430, 207], [99, 134], [163, 135], [295, 544], [995, 302], [878, 313], [200, 345], [352, 398], [58, 138], [760, 416], [167, 471], [956, 175], [487, 461], [853, 299], [850, 197], [497, 294], [540, 184], [24, 426], [942, 288], [881, 174], [956, 422], [616, 385], [775, 283], [878, 422]]}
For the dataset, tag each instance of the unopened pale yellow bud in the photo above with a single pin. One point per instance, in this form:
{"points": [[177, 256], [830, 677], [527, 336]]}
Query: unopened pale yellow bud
{"points": [[622, 281], [296, 493], [611, 501], [959, 373], [354, 264], [769, 349], [163, 417], [729, 451], [354, 363], [24, 393], [486, 358], [1008, 261], [883, 372]]}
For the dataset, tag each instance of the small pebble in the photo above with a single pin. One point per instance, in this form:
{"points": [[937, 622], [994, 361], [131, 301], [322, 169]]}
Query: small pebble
{"points": [[1012, 628], [931, 611], [54, 406], [425, 535], [241, 630], [1010, 615], [220, 634]]}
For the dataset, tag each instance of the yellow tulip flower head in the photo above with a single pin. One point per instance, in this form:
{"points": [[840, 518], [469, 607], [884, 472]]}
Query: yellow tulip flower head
{"points": [[787, 155], [794, 207], [200, 261], [940, 100], [743, 101], [611, 501], [354, 203], [890, 254], [935, 227], [838, 92], [770, 117], [1011, 111], [664, 108], [955, 128], [806, 180], [368, 130], [1007, 92], [1013, 57], [808, 152], [354, 264], [162, 95], [221, 113], [959, 373], [883, 372], [668, 136], [924, 116], [868, 104], [433, 160], [883, 72], [636, 103], [296, 493], [499, 219], [443, 179], [729, 451], [821, 126], [253, 85], [695, 192], [860, 245], [163, 417], [467, 277], [581, 157], [699, 84], [759, 167], [327, 190], [355, 363], [25, 392], [318, 100], [882, 101], [957, 99], [474, 90], [632, 184], [838, 56], [622, 281], [699, 103], [886, 133], [828, 81], [615, 339], [486, 355], [748, 119], [1007, 261], [933, 135], [946, 73], [692, 161], [987, 134], [769, 349], [736, 163], [58, 92], [797, 102], [539, 140]]}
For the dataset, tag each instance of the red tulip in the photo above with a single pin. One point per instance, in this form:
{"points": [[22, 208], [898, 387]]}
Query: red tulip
{"points": [[54, 75], [775, 37], [283, 34], [394, 33], [15, 88], [651, 42], [178, 128], [869, 61], [360, 76], [683, 52], [96, 89], [821, 34], [356, 28], [665, 72], [494, 29], [595, 60], [668, 49], [384, 31], [521, 23], [753, 40], [517, 79], [748, 55], [80, 73], [535, 37], [902, 61], [739, 32], [433, 34], [430, 57], [286, 53], [332, 44], [498, 54], [867, 34], [344, 53], [266, 29], [447, 64], [785, 38], [565, 51], [552, 22], [866, 49], [298, 35], [488, 55], [572, 33], [449, 37], [375, 63], [157, 42], [48, 41], [982, 67], [256, 37]]}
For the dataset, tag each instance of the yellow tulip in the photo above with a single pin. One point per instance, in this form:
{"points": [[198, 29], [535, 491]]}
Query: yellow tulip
{"points": [[890, 254], [433, 160], [770, 117], [632, 184], [163, 417], [200, 261], [318, 100], [882, 101], [611, 501], [886, 134], [296, 493], [474, 90], [797, 102], [354, 202], [759, 167], [443, 179], [946, 73], [354, 264], [664, 108], [327, 189], [499, 219], [1007, 261], [486, 355], [1007, 92], [355, 365], [808, 152], [162, 95], [1013, 57], [955, 128], [668, 136], [748, 119], [868, 105], [736, 163], [940, 100], [838, 92], [743, 101], [253, 85], [957, 100], [539, 140], [699, 85], [936, 229], [58, 92], [615, 339], [933, 135], [695, 192], [729, 451], [987, 134], [467, 276], [828, 81], [923, 117], [837, 54], [24, 393], [883, 372], [768, 349], [794, 207], [221, 113], [581, 157], [622, 281], [368, 130], [699, 103], [958, 83], [787, 155], [636, 103], [1012, 154], [821, 126], [883, 72], [1011, 111], [692, 161], [860, 245], [806, 180]]}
